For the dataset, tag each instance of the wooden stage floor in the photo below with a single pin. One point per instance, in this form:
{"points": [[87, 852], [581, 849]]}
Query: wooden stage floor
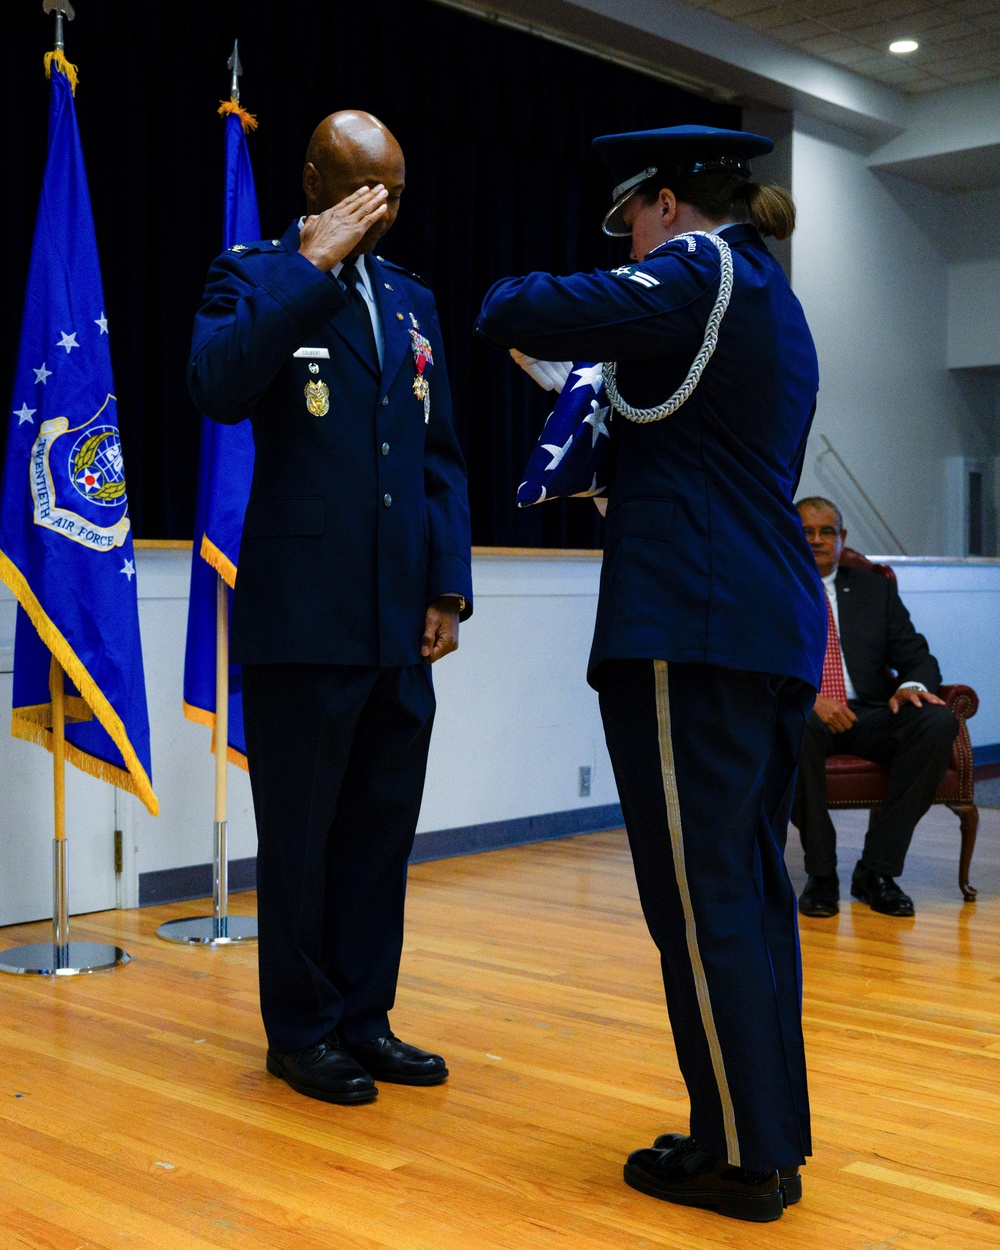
{"points": [[135, 1112]]}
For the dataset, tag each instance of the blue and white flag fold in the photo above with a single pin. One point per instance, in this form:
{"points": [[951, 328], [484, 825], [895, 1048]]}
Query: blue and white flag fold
{"points": [[571, 453], [65, 534]]}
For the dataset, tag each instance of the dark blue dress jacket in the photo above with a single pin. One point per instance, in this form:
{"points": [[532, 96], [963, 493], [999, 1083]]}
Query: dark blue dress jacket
{"points": [[704, 557], [358, 518]]}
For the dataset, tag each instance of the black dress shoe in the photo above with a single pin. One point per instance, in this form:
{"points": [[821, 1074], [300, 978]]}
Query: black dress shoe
{"points": [[789, 1181], [389, 1059], [692, 1177], [881, 893], [821, 897], [325, 1071]]}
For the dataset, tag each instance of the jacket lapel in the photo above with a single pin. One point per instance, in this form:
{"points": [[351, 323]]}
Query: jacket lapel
{"points": [[395, 322]]}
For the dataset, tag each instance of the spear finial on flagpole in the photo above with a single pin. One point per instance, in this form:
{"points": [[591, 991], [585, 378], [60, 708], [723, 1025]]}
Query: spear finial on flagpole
{"points": [[234, 64], [57, 57], [61, 8], [232, 105]]}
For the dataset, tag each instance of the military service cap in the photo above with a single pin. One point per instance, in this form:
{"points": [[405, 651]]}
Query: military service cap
{"points": [[637, 157]]}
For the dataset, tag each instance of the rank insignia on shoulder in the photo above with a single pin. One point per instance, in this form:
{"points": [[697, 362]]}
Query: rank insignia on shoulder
{"points": [[239, 247], [634, 274]]}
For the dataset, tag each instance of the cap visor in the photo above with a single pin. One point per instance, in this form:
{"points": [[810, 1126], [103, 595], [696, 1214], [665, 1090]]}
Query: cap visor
{"points": [[614, 222]]}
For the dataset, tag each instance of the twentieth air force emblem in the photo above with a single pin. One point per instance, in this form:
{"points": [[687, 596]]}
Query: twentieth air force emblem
{"points": [[317, 397]]}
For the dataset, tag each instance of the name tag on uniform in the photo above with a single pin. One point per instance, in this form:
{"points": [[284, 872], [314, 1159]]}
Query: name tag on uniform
{"points": [[313, 353]]}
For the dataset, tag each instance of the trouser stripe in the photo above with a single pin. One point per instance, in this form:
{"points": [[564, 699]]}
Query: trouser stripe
{"points": [[670, 794]]}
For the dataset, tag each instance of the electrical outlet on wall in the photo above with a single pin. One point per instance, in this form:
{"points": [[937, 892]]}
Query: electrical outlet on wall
{"points": [[584, 784]]}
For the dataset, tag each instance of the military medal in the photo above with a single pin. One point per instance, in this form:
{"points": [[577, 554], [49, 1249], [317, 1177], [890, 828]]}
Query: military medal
{"points": [[317, 397], [422, 356]]}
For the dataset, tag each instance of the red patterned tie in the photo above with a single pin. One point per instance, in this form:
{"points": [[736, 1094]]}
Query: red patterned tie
{"points": [[832, 686]]}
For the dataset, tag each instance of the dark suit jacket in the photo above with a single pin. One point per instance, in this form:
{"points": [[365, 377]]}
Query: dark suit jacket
{"points": [[876, 634], [704, 557], [358, 517]]}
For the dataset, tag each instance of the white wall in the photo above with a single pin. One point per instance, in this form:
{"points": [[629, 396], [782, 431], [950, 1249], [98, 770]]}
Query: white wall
{"points": [[870, 262], [515, 721]]}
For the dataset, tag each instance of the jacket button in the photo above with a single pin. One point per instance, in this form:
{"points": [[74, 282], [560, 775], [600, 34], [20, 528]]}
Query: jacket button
{"points": [[385, 400], [387, 500], [385, 449]]}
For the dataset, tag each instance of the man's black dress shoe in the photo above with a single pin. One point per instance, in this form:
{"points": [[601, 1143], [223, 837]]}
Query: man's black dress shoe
{"points": [[325, 1071], [821, 897], [389, 1059], [692, 1177], [879, 892], [789, 1181]]}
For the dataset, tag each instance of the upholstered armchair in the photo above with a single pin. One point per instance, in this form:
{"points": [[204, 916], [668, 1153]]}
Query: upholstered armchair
{"points": [[855, 782]]}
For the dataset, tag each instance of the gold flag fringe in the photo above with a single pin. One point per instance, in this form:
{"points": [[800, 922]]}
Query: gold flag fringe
{"points": [[57, 58], [219, 561], [201, 716], [247, 120], [31, 727]]}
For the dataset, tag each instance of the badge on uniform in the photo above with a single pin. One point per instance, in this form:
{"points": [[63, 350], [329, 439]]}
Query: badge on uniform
{"points": [[317, 397], [422, 357]]}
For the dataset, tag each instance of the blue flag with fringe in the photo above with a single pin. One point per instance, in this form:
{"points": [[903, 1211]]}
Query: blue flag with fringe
{"points": [[225, 468], [65, 534]]}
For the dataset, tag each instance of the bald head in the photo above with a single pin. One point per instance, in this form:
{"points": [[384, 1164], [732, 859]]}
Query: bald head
{"points": [[349, 150]]}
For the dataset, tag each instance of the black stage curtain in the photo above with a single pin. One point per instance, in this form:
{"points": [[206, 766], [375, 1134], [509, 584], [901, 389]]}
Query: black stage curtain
{"points": [[495, 124]]}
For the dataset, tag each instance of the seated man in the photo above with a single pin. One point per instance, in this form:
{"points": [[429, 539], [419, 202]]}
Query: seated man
{"points": [[862, 710]]}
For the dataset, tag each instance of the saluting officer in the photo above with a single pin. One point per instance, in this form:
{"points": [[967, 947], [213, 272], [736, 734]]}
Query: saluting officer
{"points": [[710, 627], [354, 572]]}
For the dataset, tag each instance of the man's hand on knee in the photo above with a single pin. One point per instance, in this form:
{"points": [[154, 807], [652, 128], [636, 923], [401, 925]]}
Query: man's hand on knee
{"points": [[836, 716], [914, 695]]}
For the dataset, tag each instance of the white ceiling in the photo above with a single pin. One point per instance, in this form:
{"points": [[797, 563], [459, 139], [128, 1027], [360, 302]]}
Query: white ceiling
{"points": [[959, 39]]}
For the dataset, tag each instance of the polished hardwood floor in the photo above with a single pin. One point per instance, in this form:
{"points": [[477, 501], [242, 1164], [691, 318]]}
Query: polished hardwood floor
{"points": [[135, 1111]]}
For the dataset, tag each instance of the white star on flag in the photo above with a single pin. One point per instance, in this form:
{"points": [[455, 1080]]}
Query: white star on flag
{"points": [[128, 568], [589, 375], [557, 453], [596, 418], [41, 374], [102, 321], [25, 414], [68, 341]]}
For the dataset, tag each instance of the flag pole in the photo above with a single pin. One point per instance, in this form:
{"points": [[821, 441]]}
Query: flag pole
{"points": [[219, 929], [60, 904], [220, 892], [60, 957]]}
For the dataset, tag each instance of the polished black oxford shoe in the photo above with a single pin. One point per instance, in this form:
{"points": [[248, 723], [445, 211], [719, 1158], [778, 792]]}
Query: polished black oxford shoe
{"points": [[790, 1182], [821, 897], [881, 893], [324, 1071], [692, 1177], [388, 1059]]}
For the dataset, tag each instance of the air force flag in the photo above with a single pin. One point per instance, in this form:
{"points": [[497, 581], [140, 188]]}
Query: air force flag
{"points": [[65, 540], [225, 469]]}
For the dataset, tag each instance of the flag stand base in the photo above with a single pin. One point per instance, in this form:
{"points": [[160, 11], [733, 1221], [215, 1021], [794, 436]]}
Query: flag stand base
{"points": [[209, 930], [71, 959]]}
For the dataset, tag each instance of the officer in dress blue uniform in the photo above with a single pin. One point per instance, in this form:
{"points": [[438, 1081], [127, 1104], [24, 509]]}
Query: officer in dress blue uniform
{"points": [[354, 572], [710, 630]]}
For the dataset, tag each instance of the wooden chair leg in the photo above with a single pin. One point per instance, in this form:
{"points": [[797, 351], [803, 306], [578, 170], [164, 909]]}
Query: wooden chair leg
{"points": [[968, 818]]}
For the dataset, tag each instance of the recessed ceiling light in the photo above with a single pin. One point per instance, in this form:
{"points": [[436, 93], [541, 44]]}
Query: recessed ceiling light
{"points": [[901, 46]]}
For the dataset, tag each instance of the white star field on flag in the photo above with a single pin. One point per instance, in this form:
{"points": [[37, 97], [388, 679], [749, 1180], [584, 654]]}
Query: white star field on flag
{"points": [[68, 341], [41, 374], [25, 414]]}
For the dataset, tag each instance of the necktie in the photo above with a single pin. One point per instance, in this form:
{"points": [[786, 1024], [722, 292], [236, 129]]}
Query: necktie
{"points": [[350, 275], [832, 686]]}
